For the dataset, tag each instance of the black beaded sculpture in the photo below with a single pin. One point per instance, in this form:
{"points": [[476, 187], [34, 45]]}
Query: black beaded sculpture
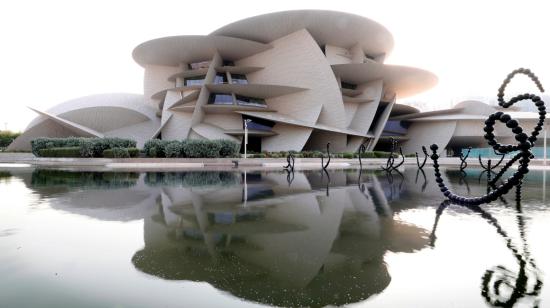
{"points": [[420, 166], [290, 162], [523, 147], [361, 151], [463, 163], [390, 163], [489, 167], [323, 165]]}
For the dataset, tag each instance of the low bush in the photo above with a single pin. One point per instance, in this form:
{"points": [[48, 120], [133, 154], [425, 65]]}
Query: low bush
{"points": [[195, 148], [60, 152], [88, 147], [154, 148], [7, 137], [173, 149], [228, 148], [348, 155], [121, 152]]}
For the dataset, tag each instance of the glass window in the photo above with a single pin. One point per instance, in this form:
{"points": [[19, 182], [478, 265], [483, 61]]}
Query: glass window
{"points": [[347, 85], [258, 124], [238, 79], [228, 63], [220, 78], [194, 81], [220, 99], [198, 65], [250, 101]]}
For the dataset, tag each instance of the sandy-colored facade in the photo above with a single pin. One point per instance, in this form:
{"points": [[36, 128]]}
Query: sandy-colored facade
{"points": [[301, 78], [457, 128]]}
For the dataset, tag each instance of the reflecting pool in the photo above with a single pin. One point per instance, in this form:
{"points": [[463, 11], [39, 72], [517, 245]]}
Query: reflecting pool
{"points": [[268, 238]]}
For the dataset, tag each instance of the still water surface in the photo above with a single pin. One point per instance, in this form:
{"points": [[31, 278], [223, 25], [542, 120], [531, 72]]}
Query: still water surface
{"points": [[230, 239]]}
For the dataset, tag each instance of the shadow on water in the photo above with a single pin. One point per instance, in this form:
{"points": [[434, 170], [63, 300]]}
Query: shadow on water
{"points": [[281, 238]]}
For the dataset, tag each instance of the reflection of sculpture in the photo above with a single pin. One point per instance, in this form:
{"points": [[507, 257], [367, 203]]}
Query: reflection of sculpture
{"points": [[525, 143], [502, 287], [290, 246]]}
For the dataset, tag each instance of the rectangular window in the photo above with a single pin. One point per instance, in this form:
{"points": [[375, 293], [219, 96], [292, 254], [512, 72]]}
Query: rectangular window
{"points": [[228, 63], [258, 124], [220, 99], [220, 78], [194, 81], [238, 79], [198, 65], [250, 101], [347, 85]]}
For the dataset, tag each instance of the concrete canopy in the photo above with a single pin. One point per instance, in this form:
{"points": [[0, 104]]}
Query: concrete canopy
{"points": [[326, 27]]}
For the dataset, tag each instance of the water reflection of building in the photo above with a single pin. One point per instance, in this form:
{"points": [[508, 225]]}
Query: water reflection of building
{"points": [[310, 243], [284, 245]]}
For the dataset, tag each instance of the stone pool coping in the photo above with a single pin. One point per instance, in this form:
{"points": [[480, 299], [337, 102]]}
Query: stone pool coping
{"points": [[164, 164]]}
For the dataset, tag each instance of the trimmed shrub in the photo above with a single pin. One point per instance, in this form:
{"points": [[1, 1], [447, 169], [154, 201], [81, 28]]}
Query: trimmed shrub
{"points": [[6, 138], [86, 148], [121, 152], [60, 152], [201, 148], [368, 155], [116, 153], [173, 149], [348, 155], [89, 147], [228, 148], [154, 148]]}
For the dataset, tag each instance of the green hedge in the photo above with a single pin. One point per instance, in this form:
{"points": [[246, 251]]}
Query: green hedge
{"points": [[60, 152], [6, 138], [121, 153], [191, 148], [88, 147]]}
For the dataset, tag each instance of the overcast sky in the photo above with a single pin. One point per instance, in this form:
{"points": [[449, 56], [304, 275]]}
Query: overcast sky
{"points": [[53, 51]]}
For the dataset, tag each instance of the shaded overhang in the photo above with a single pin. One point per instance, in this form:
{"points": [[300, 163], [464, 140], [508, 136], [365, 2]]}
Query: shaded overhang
{"points": [[173, 50], [326, 27], [403, 80]]}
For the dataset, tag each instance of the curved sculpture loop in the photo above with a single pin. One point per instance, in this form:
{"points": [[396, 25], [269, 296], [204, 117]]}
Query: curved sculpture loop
{"points": [[420, 166], [523, 147], [290, 162], [489, 167], [361, 151], [390, 163], [463, 163], [328, 159]]}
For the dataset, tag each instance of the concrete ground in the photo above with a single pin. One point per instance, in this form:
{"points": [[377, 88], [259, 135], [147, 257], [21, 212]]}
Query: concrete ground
{"points": [[216, 163]]}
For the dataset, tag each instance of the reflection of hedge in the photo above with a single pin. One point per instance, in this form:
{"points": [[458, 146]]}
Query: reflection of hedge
{"points": [[191, 179], [52, 178], [89, 147], [191, 148]]}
